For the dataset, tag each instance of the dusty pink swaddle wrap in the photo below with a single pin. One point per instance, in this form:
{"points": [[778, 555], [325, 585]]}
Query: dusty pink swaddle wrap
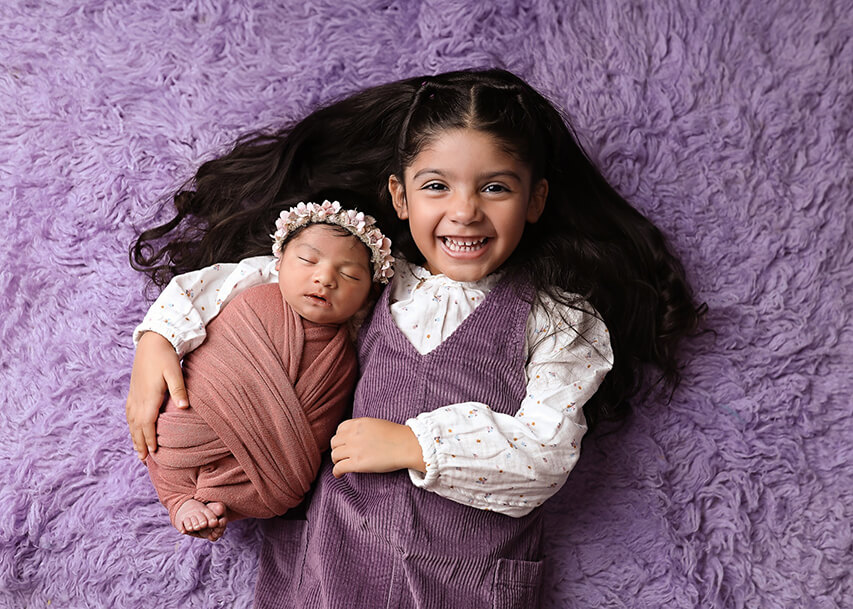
{"points": [[252, 437]]}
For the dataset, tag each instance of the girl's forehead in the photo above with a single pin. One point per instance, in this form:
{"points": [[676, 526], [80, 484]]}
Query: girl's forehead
{"points": [[457, 149], [459, 136]]}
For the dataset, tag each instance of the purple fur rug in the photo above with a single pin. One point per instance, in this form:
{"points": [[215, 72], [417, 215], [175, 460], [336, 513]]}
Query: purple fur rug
{"points": [[730, 123]]}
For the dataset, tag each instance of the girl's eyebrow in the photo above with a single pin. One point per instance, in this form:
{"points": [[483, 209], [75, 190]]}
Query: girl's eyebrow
{"points": [[485, 176], [428, 170]]}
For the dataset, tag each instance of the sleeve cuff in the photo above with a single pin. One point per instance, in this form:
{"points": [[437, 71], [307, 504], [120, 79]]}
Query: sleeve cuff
{"points": [[182, 347], [420, 479]]}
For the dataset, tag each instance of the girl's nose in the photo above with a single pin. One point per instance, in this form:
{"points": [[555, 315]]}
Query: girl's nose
{"points": [[466, 209]]}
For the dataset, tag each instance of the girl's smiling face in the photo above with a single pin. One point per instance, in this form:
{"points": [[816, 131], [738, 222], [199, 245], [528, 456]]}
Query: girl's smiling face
{"points": [[467, 200], [324, 274]]}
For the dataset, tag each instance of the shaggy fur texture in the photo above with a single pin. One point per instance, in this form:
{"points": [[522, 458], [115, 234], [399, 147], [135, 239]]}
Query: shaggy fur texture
{"points": [[730, 123]]}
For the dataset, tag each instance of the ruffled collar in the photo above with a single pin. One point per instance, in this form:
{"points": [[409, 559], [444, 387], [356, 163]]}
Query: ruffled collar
{"points": [[411, 277], [427, 308]]}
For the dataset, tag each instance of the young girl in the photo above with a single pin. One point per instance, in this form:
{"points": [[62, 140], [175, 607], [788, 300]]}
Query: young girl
{"points": [[481, 361], [273, 379]]}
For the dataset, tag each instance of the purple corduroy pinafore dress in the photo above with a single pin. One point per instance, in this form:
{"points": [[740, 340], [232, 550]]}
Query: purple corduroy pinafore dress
{"points": [[373, 541]]}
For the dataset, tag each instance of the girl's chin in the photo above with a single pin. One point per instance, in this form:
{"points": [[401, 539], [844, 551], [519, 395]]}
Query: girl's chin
{"points": [[465, 266], [466, 273]]}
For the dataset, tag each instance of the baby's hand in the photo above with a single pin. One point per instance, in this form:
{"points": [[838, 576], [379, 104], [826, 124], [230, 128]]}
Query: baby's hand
{"points": [[156, 368], [375, 446]]}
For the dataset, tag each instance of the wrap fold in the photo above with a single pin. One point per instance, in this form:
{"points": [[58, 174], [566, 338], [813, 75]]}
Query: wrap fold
{"points": [[252, 437]]}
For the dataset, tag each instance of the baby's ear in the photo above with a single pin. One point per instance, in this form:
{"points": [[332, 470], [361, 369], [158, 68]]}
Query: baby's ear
{"points": [[538, 196], [398, 197]]}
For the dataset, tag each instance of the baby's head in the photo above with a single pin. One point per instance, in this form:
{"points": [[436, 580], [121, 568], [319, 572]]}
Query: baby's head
{"points": [[329, 259]]}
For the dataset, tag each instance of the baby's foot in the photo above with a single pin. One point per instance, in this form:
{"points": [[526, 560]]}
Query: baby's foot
{"points": [[201, 520], [215, 532]]}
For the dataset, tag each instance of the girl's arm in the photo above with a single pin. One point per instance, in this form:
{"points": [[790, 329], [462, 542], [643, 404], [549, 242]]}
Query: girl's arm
{"points": [[191, 300], [174, 326], [512, 464], [472, 455]]}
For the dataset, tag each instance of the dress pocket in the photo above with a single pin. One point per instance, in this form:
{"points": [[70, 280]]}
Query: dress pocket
{"points": [[517, 584]]}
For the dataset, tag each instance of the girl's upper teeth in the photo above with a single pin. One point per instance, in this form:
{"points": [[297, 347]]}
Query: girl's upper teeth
{"points": [[465, 241]]}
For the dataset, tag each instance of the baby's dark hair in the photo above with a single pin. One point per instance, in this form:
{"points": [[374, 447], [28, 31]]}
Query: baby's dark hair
{"points": [[339, 231], [589, 241]]}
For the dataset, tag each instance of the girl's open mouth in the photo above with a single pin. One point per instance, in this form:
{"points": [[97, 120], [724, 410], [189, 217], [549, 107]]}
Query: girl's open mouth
{"points": [[461, 245], [317, 299]]}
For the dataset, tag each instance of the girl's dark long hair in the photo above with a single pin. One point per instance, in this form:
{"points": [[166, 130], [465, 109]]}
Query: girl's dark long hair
{"points": [[589, 241], [227, 211]]}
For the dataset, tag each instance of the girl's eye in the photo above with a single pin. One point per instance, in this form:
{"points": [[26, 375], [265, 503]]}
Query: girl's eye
{"points": [[496, 188], [436, 186], [352, 277], [306, 260]]}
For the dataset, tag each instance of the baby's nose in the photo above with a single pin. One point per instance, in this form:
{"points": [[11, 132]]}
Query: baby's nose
{"points": [[324, 277]]}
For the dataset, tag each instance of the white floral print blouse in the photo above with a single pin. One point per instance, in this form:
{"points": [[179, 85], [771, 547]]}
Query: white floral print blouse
{"points": [[474, 456]]}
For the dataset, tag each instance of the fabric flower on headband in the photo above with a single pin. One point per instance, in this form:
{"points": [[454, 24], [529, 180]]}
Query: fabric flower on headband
{"points": [[330, 212]]}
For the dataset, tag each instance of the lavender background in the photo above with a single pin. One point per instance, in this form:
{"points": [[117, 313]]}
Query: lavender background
{"points": [[730, 123]]}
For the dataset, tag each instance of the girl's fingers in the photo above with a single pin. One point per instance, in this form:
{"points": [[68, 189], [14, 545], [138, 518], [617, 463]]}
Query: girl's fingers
{"points": [[341, 459], [175, 382], [139, 442], [139, 427], [156, 369], [341, 467], [338, 454], [149, 435]]}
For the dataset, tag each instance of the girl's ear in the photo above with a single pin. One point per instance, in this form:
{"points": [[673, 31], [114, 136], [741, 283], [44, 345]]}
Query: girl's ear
{"points": [[398, 197], [538, 196], [278, 265]]}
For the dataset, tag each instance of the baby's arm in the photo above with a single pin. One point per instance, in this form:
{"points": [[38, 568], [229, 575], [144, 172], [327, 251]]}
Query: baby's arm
{"points": [[174, 326], [512, 464]]}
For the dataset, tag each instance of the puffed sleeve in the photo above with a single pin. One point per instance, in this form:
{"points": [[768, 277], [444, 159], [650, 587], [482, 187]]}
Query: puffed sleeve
{"points": [[191, 300], [513, 463]]}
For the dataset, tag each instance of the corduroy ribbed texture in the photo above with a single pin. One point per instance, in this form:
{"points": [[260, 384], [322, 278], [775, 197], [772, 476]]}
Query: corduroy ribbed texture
{"points": [[375, 540]]}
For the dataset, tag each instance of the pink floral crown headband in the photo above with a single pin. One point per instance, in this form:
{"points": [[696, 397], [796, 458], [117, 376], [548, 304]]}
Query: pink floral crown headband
{"points": [[330, 212]]}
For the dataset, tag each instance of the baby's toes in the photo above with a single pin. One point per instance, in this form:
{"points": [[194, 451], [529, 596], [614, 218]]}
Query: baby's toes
{"points": [[208, 519], [217, 507], [216, 533]]}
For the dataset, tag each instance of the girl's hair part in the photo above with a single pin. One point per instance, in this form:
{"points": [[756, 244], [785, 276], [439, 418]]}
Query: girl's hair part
{"points": [[589, 244]]}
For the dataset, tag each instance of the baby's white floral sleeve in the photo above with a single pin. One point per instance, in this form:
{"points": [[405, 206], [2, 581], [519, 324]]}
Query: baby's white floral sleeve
{"points": [[193, 299], [513, 463]]}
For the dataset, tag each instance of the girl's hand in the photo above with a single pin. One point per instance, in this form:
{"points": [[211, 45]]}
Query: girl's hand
{"points": [[375, 446], [156, 368]]}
